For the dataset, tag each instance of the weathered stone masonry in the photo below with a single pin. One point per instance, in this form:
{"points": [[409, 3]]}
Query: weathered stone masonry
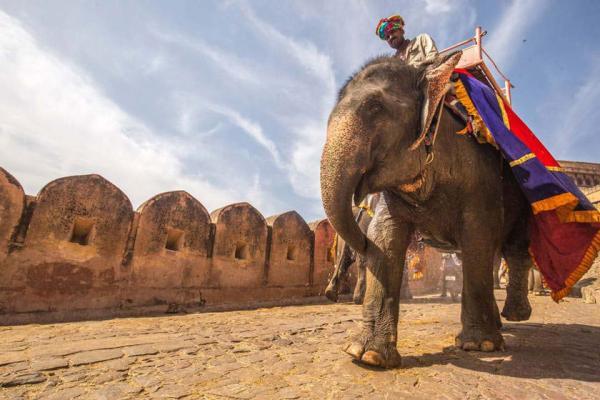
{"points": [[79, 248]]}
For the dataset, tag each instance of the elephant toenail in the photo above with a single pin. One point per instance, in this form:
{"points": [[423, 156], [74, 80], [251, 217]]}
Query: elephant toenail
{"points": [[355, 350], [470, 346], [487, 346], [373, 358]]}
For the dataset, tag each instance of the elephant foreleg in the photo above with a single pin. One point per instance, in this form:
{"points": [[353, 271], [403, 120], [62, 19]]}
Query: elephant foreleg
{"points": [[388, 241]]}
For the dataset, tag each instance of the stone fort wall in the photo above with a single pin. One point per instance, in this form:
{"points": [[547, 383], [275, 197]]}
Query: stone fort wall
{"points": [[79, 250]]}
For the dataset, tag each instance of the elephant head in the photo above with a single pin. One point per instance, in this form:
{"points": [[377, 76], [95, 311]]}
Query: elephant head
{"points": [[374, 132]]}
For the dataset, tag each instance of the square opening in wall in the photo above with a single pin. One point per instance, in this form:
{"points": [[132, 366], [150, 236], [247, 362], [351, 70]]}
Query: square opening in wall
{"points": [[292, 252], [241, 251], [174, 239], [83, 231]]}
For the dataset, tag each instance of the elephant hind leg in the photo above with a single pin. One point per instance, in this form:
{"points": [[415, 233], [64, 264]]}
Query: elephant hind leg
{"points": [[340, 271], [515, 251], [361, 281]]}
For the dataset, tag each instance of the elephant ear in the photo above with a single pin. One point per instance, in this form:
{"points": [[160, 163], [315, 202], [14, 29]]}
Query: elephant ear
{"points": [[436, 83]]}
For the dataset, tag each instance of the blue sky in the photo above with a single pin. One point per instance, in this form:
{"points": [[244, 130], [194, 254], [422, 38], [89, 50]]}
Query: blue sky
{"points": [[228, 100]]}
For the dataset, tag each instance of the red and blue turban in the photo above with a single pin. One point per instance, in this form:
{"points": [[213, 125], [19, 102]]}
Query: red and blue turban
{"points": [[387, 25]]}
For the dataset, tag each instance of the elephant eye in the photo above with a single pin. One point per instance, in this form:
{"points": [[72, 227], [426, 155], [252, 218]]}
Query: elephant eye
{"points": [[375, 107]]}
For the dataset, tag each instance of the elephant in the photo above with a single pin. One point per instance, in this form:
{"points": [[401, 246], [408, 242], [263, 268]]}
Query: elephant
{"points": [[457, 193]]}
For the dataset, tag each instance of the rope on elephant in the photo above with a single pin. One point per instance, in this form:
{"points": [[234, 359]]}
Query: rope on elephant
{"points": [[333, 250], [367, 209], [480, 130]]}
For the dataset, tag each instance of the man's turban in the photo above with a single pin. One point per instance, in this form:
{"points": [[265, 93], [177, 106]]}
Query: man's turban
{"points": [[387, 25]]}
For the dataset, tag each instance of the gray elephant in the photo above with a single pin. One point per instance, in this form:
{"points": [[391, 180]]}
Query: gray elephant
{"points": [[457, 193]]}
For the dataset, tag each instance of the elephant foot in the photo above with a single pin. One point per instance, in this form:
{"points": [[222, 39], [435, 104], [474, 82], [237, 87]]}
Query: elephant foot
{"points": [[480, 342], [516, 309], [382, 356], [331, 293]]}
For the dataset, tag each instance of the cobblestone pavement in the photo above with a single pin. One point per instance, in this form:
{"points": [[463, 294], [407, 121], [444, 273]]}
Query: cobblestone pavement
{"points": [[295, 352]]}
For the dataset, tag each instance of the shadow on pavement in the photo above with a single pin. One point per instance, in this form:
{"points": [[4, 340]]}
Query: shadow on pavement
{"points": [[533, 351]]}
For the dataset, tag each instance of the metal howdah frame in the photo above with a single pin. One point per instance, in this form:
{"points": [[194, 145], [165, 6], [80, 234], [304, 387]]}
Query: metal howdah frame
{"points": [[473, 60]]}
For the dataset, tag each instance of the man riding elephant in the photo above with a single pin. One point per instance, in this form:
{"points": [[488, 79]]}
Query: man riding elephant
{"points": [[413, 52]]}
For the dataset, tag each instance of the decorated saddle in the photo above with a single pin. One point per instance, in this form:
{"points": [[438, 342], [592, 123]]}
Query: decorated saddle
{"points": [[565, 226]]}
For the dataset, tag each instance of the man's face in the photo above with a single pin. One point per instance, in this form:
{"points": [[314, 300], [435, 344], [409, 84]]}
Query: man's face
{"points": [[396, 38]]}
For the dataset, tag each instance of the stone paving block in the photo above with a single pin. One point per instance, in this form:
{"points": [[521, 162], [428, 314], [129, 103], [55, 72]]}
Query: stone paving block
{"points": [[148, 382], [95, 356], [555, 355], [12, 358], [141, 350], [66, 393], [168, 347], [22, 379], [120, 364], [115, 391], [228, 391], [171, 392], [110, 376], [48, 364]]}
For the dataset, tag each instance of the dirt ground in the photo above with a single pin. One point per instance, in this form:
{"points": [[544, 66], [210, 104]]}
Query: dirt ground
{"points": [[295, 353]]}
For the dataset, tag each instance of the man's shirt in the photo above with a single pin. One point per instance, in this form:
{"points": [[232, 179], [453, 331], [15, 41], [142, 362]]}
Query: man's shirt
{"points": [[419, 50]]}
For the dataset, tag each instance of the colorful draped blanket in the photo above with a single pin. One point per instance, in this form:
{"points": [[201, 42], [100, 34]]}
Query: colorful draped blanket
{"points": [[565, 226]]}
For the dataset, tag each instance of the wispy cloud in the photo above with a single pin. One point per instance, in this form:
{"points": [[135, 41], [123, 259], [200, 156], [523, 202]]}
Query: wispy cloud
{"points": [[228, 100], [231, 64], [578, 118], [510, 29], [251, 128], [438, 6], [309, 131], [55, 122]]}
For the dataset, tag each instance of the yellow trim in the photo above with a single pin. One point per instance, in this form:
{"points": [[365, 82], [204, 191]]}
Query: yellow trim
{"points": [[564, 205], [586, 216], [555, 169], [521, 160], [478, 124], [586, 262], [502, 110], [367, 209], [554, 202]]}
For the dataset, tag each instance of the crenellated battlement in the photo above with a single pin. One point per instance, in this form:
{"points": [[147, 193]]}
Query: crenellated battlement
{"points": [[79, 247]]}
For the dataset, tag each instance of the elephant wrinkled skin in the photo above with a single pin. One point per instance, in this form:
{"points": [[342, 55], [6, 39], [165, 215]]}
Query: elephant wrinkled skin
{"points": [[466, 198]]}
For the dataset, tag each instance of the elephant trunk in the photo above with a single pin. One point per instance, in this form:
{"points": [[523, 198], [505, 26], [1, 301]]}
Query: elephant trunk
{"points": [[343, 164]]}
